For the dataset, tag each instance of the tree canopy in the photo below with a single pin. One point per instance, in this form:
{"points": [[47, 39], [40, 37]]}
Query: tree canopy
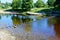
{"points": [[27, 4], [51, 2], [57, 4], [16, 4], [39, 3]]}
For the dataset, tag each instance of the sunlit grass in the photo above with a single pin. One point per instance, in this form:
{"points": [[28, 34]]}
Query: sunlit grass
{"points": [[37, 9], [1, 8]]}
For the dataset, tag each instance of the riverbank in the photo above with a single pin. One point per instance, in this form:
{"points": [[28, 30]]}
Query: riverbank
{"points": [[7, 12], [10, 11], [48, 11], [34, 10]]}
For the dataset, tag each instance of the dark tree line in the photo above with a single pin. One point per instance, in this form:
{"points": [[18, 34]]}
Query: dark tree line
{"points": [[26, 4], [39, 3], [57, 3], [16, 4]]}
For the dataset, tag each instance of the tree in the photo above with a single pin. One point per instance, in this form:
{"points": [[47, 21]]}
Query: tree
{"points": [[16, 4], [7, 5], [57, 4], [39, 3], [51, 2], [27, 4]]}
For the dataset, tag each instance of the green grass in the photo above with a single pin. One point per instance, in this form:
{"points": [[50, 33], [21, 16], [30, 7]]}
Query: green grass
{"points": [[36, 9], [43, 9], [39, 9], [1, 8]]}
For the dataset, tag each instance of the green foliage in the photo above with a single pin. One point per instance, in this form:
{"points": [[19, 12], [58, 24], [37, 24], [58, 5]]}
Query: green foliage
{"points": [[16, 4], [51, 2], [27, 4], [57, 4], [7, 5], [46, 5], [39, 3]]}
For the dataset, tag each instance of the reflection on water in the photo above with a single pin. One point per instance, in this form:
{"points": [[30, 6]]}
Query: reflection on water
{"points": [[30, 28], [16, 20], [51, 21], [57, 26]]}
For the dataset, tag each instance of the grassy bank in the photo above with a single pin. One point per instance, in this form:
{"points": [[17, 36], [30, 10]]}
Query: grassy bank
{"points": [[37, 10]]}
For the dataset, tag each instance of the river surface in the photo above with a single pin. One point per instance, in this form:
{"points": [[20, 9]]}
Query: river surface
{"points": [[19, 27]]}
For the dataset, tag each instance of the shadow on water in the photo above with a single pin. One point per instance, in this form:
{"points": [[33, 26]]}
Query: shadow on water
{"points": [[56, 23], [57, 26]]}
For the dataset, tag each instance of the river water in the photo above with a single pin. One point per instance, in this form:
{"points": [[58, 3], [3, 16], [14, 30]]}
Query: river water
{"points": [[19, 27]]}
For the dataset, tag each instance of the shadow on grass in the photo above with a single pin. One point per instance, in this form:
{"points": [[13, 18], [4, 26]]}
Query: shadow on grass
{"points": [[50, 11], [46, 10], [16, 10]]}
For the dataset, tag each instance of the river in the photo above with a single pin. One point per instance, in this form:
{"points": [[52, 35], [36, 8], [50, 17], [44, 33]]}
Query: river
{"points": [[19, 27]]}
